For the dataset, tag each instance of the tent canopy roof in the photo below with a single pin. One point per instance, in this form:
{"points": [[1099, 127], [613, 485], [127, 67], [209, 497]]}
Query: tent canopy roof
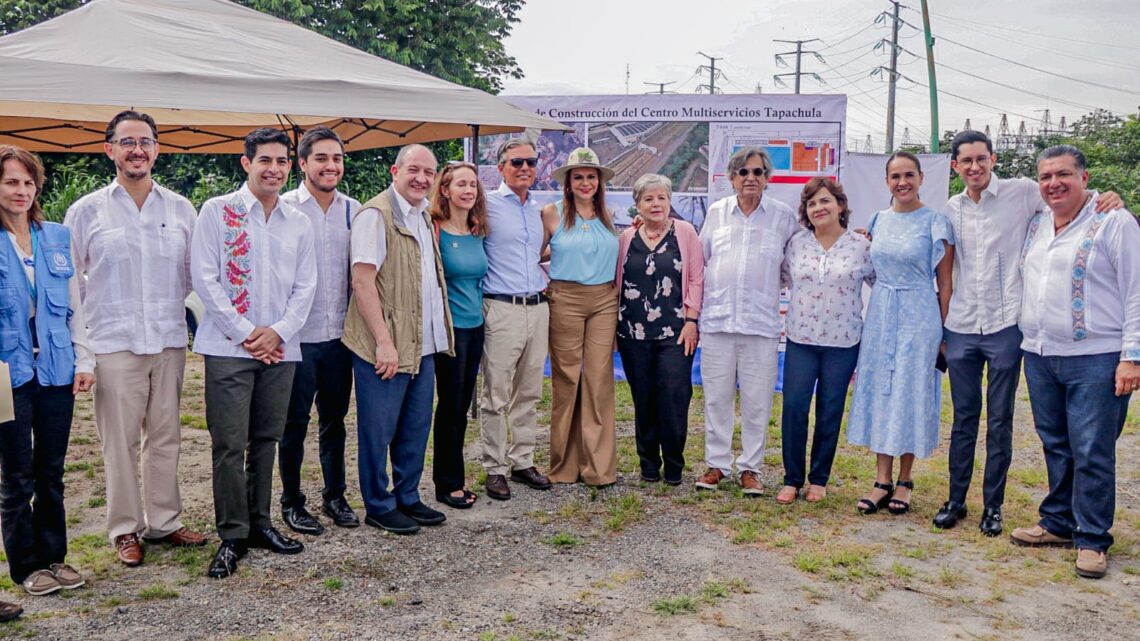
{"points": [[210, 70]]}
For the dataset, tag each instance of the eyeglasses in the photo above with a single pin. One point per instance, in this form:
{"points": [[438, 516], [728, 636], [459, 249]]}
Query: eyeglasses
{"points": [[146, 144], [755, 171], [518, 162], [456, 164]]}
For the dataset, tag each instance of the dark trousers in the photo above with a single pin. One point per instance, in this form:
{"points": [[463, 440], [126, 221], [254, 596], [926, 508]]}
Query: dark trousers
{"points": [[966, 356], [1078, 417], [826, 371], [454, 384], [32, 450], [324, 373], [393, 418], [660, 381], [246, 403]]}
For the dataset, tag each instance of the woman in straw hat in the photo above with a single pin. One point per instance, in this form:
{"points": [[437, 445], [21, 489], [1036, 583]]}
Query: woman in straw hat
{"points": [[583, 319]]}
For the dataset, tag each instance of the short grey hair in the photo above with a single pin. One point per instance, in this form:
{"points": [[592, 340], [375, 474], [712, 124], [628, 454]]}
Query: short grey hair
{"points": [[649, 181], [513, 143], [741, 158], [407, 149], [1056, 151]]}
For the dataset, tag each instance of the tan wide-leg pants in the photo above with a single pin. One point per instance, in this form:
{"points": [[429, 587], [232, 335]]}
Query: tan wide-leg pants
{"points": [[583, 322], [514, 351], [136, 404]]}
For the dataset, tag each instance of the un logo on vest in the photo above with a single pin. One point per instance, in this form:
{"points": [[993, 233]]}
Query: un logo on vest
{"points": [[59, 259]]}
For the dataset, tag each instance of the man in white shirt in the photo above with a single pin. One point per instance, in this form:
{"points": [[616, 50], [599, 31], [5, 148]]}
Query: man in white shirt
{"points": [[131, 240], [253, 266], [744, 238], [1080, 316], [990, 219], [396, 321], [325, 370]]}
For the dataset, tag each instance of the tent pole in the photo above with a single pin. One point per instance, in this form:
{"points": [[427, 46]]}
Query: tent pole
{"points": [[475, 144]]}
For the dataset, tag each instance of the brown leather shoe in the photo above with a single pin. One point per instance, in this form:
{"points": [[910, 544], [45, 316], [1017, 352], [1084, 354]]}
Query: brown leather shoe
{"points": [[1038, 536], [181, 538], [497, 487], [129, 550], [750, 483], [1092, 564], [532, 478], [9, 611], [710, 479]]}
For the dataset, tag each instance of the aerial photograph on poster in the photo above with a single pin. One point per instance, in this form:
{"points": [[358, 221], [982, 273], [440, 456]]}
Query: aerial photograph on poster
{"points": [[678, 150]]}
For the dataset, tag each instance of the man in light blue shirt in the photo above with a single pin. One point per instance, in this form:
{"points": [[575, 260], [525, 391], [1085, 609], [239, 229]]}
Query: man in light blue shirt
{"points": [[516, 319]]}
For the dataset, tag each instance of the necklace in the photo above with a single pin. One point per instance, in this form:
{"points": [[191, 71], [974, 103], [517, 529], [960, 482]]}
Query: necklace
{"points": [[1057, 229], [655, 235]]}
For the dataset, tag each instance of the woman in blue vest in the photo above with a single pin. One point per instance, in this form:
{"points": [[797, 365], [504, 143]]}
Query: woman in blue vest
{"points": [[583, 322], [43, 343]]}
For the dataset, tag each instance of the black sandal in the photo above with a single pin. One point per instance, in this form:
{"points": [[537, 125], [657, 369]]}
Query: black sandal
{"points": [[867, 506], [897, 506], [458, 502]]}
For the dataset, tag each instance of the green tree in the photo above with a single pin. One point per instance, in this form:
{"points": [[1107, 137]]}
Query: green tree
{"points": [[458, 40]]}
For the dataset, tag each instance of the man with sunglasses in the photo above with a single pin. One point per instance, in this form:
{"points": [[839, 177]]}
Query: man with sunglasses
{"points": [[516, 319], [132, 241], [743, 237]]}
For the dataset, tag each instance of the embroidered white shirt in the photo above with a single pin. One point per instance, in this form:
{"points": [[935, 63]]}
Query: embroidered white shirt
{"points": [[1082, 287], [331, 248], [826, 305], [370, 247], [742, 266], [137, 267], [989, 236], [282, 283]]}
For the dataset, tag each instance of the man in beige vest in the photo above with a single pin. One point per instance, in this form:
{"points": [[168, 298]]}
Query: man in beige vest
{"points": [[397, 320]]}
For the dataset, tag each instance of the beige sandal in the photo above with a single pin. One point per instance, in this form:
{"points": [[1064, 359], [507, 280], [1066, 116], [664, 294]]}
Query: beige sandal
{"points": [[787, 495], [816, 493]]}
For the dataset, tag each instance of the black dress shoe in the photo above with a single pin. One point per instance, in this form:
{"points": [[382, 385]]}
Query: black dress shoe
{"points": [[532, 478], [991, 521], [300, 521], [341, 514], [395, 521], [422, 514], [949, 515], [226, 558], [269, 538], [497, 487]]}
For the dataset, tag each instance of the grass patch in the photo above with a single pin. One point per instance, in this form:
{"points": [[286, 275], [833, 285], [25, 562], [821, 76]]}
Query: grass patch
{"points": [[97, 501], [333, 583], [950, 577], [193, 421], [678, 605], [623, 511], [157, 592], [564, 540], [902, 571]]}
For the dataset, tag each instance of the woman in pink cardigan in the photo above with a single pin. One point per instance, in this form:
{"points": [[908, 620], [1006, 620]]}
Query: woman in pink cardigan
{"points": [[660, 277]]}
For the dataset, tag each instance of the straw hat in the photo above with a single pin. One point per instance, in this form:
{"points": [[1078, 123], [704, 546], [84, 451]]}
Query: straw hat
{"points": [[580, 158]]}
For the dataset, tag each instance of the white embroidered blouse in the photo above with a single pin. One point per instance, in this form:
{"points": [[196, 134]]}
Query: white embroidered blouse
{"points": [[826, 305]]}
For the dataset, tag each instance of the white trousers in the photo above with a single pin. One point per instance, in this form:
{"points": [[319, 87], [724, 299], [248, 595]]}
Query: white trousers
{"points": [[725, 360]]}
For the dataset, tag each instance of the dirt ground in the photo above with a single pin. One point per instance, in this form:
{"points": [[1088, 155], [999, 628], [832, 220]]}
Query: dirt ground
{"points": [[634, 561]]}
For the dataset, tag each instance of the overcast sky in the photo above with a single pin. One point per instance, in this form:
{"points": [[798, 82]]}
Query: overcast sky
{"points": [[583, 47]]}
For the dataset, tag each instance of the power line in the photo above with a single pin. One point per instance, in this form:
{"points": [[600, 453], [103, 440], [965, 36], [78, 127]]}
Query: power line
{"points": [[1044, 35], [799, 53], [714, 73]]}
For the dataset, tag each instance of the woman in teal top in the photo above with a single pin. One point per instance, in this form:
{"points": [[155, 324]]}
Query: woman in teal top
{"points": [[583, 321], [459, 210]]}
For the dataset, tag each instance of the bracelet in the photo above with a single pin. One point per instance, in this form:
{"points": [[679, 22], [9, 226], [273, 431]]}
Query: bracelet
{"points": [[690, 320]]}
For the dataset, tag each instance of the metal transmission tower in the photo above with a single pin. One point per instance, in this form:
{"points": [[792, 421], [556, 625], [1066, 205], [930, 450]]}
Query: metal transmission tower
{"points": [[660, 86], [1005, 138], [893, 70], [988, 132], [1046, 128], [968, 127], [1024, 140], [1063, 128], [906, 137], [714, 73], [799, 54], [868, 147]]}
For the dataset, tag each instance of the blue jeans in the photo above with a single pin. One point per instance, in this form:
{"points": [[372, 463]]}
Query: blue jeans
{"points": [[1078, 417], [32, 451], [393, 417], [827, 372], [324, 374]]}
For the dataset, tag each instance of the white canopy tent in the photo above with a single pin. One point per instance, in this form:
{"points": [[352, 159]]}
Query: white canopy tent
{"points": [[209, 71]]}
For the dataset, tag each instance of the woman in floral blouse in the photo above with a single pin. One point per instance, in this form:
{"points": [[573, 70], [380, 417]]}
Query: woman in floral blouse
{"points": [[660, 283], [825, 266]]}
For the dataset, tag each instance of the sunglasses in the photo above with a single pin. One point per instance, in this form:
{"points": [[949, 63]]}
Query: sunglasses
{"points": [[519, 162], [755, 171]]}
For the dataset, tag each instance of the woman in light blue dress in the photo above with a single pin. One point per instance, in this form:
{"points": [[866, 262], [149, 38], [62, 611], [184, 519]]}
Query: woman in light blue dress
{"points": [[896, 407]]}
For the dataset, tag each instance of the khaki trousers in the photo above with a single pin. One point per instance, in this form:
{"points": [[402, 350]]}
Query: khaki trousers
{"points": [[137, 404], [514, 352], [583, 323]]}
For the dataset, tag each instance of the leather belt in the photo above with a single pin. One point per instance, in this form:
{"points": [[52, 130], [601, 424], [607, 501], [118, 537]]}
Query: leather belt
{"points": [[518, 299]]}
